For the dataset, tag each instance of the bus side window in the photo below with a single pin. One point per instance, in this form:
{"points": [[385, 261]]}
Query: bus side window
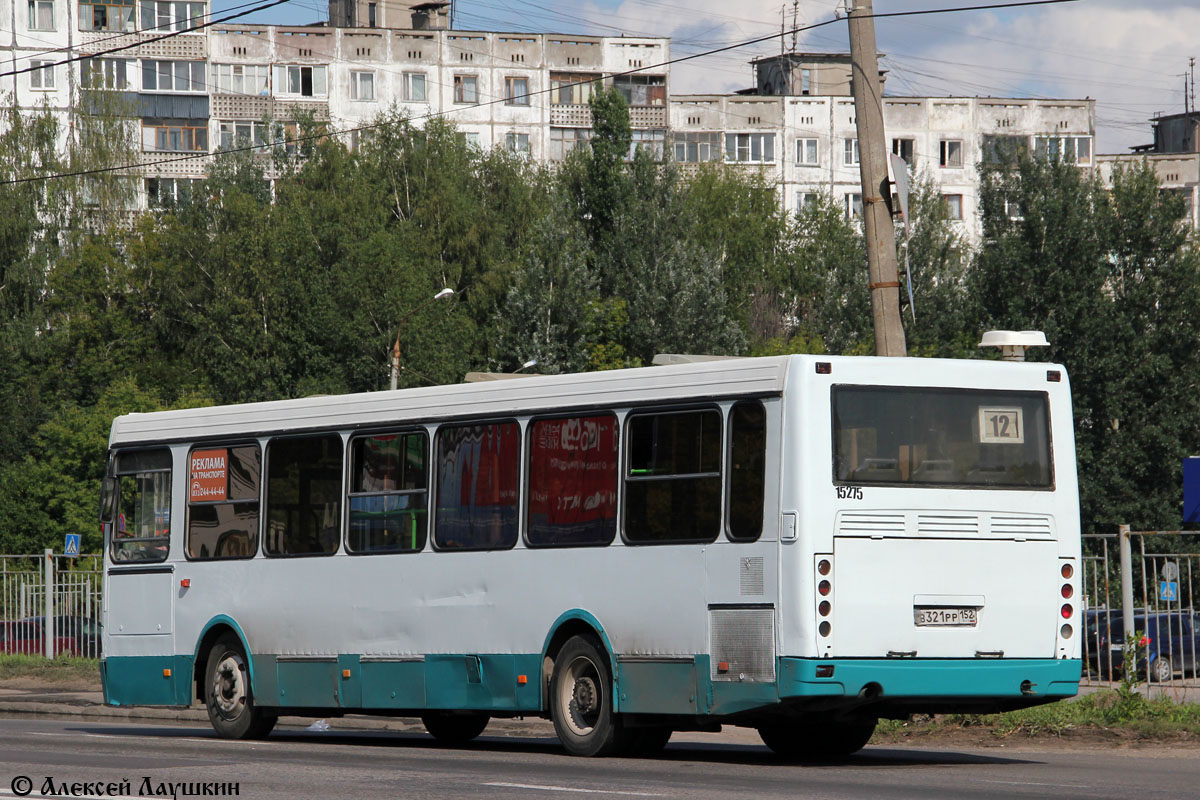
{"points": [[223, 490], [142, 525], [673, 477], [477, 469], [304, 495], [389, 497], [747, 470], [572, 481]]}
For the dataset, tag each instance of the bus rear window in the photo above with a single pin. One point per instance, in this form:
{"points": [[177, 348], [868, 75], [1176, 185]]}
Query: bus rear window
{"points": [[941, 437]]}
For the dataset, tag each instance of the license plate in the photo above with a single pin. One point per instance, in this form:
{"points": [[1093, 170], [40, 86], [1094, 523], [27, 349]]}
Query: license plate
{"points": [[949, 617]]}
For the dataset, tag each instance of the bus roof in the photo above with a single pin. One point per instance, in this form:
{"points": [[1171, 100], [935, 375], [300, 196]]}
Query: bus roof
{"points": [[536, 393], [680, 382]]}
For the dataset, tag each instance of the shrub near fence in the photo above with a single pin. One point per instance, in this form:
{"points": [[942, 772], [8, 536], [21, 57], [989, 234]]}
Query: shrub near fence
{"points": [[62, 621]]}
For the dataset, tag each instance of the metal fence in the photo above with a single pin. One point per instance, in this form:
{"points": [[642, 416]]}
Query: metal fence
{"points": [[1154, 574], [50, 605]]}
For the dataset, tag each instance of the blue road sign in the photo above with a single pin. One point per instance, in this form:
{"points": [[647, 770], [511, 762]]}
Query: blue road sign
{"points": [[71, 548], [1191, 489], [1168, 590]]}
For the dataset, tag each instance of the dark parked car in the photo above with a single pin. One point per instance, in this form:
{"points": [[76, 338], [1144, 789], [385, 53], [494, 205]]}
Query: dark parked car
{"points": [[1171, 643]]}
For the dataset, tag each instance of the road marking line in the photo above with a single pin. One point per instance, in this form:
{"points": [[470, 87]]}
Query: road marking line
{"points": [[574, 789], [1034, 783]]}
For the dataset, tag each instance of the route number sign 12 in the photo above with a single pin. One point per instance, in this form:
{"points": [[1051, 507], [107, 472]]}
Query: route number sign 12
{"points": [[1000, 425]]}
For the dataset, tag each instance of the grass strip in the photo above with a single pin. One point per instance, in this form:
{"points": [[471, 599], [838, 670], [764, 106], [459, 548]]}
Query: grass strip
{"points": [[59, 670]]}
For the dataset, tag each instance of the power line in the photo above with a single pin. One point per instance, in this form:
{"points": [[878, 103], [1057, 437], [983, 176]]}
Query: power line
{"points": [[431, 115]]}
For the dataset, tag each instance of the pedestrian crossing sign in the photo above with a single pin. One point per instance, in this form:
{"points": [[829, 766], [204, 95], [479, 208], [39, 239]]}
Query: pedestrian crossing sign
{"points": [[72, 546]]}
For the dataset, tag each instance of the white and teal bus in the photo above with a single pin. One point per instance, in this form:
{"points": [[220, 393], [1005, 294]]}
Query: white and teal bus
{"points": [[797, 544]]}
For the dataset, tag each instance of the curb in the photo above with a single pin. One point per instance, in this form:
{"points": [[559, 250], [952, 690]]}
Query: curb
{"points": [[528, 727]]}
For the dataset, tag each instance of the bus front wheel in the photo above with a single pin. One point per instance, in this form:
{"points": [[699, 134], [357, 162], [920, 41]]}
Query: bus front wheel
{"points": [[228, 696], [455, 729], [818, 739], [581, 700]]}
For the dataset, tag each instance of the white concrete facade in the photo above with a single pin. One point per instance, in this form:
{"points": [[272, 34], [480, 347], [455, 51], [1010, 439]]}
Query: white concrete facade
{"points": [[814, 139]]}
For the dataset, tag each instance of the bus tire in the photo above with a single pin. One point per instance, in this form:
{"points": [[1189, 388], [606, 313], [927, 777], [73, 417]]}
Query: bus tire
{"points": [[454, 729], [581, 701], [819, 739], [228, 696]]}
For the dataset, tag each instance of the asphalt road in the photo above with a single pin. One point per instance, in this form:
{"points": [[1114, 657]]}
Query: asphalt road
{"points": [[295, 763]]}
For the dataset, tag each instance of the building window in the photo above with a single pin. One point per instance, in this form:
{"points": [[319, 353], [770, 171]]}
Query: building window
{"points": [[163, 16], [694, 148], [906, 149], [173, 76], [951, 154], [372, 15], [466, 89], [954, 205], [854, 207], [571, 88], [414, 87], [300, 80], [477, 467], [42, 74], [304, 495], [999, 149], [747, 470], [169, 192], [573, 481], [362, 86], [1076, 149], [850, 152], [564, 140], [41, 15], [241, 79], [175, 135], [241, 133], [389, 493], [806, 200], [517, 143], [652, 141], [112, 15], [673, 477], [806, 152], [642, 90], [106, 73], [142, 529], [516, 91], [223, 502], [470, 139], [806, 81], [750, 147]]}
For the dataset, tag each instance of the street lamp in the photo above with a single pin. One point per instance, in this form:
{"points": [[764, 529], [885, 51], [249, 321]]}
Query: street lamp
{"points": [[396, 347]]}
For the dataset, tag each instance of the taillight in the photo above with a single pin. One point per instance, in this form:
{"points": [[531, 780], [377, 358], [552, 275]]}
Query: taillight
{"points": [[824, 608], [824, 587], [1068, 571], [823, 566], [1067, 591], [1067, 611], [824, 590]]}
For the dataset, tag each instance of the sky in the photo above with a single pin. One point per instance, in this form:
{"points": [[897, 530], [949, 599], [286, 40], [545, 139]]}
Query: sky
{"points": [[1130, 57]]}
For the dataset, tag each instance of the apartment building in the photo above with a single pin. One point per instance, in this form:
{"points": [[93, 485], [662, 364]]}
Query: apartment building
{"points": [[242, 85], [1174, 155], [797, 128]]}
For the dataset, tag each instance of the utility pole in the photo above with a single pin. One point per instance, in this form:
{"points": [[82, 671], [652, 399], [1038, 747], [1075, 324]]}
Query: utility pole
{"points": [[876, 191]]}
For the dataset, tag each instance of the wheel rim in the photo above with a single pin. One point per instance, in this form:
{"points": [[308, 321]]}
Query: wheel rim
{"points": [[1162, 669], [581, 695], [228, 690]]}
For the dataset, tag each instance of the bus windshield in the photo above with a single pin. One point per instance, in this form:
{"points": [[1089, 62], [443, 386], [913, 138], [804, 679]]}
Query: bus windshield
{"points": [[938, 437]]}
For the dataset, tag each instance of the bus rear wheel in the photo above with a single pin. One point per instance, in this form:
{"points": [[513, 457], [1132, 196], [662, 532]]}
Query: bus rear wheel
{"points": [[581, 701], [818, 739], [455, 729], [228, 696]]}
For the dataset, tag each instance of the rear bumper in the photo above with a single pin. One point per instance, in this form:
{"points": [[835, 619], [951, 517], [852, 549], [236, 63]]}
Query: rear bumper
{"points": [[930, 678]]}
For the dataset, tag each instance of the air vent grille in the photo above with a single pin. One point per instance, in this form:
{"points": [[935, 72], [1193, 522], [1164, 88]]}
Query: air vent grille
{"points": [[742, 644], [948, 524], [862, 523]]}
